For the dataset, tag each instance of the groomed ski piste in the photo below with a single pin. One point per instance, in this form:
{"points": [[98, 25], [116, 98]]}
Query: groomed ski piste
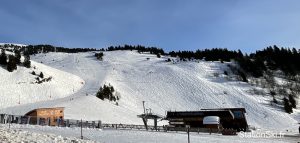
{"points": [[164, 86]]}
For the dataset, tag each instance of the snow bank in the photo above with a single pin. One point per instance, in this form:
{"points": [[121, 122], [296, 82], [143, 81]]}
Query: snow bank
{"points": [[17, 135]]}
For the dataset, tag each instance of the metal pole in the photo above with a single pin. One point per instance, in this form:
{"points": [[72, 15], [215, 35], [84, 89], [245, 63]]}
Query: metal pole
{"points": [[81, 130], [144, 107], [9, 122], [188, 131]]}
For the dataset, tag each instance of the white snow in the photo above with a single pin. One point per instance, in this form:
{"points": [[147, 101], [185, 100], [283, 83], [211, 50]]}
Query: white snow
{"points": [[163, 85], [19, 87], [61, 134], [21, 45], [16, 135]]}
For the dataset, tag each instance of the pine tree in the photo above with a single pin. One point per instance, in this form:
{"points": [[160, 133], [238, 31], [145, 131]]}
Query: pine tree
{"points": [[287, 107], [3, 58], [292, 101], [243, 76], [27, 62], [100, 94], [107, 92], [158, 55], [41, 75], [18, 56], [11, 65], [99, 56]]}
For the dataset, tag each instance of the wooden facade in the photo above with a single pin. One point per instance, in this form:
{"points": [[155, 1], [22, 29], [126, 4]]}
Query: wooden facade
{"points": [[50, 116], [230, 118]]}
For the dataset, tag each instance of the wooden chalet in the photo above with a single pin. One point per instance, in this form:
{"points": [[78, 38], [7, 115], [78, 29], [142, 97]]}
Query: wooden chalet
{"points": [[230, 118], [47, 116]]}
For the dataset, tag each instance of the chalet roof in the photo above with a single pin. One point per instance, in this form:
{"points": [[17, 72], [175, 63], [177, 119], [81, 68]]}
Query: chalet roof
{"points": [[43, 108]]}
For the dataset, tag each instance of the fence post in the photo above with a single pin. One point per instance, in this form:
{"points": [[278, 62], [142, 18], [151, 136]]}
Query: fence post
{"points": [[19, 119], [28, 121], [100, 124], [1, 118], [12, 117], [81, 130], [9, 121], [93, 124], [67, 123], [57, 122], [188, 131], [37, 120], [155, 124], [5, 119]]}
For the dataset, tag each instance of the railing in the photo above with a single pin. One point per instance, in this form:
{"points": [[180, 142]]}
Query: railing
{"points": [[132, 126], [33, 120]]}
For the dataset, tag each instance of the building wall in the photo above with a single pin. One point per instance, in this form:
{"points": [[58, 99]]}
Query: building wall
{"points": [[48, 113], [195, 118]]}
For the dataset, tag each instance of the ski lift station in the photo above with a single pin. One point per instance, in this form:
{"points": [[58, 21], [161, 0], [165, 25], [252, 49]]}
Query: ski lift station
{"points": [[227, 118]]}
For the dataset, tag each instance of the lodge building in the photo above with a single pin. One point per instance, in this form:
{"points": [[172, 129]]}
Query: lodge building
{"points": [[47, 116]]}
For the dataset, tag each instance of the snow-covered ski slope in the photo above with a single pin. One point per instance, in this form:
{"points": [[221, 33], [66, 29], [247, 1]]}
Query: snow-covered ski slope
{"points": [[163, 85], [20, 87]]}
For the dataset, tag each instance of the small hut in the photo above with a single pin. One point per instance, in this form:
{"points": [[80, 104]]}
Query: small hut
{"points": [[47, 116]]}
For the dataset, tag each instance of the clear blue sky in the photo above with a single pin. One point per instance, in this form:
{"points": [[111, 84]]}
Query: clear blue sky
{"points": [[170, 24]]}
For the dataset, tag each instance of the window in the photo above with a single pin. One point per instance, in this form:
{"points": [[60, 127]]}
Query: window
{"points": [[238, 114]]}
